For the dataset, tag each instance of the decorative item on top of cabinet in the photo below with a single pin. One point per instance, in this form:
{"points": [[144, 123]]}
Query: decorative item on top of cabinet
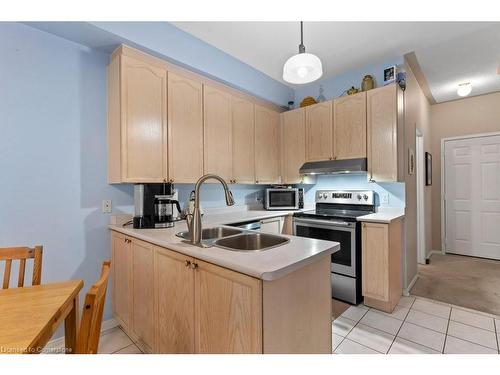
{"points": [[385, 143], [185, 129], [243, 119], [367, 83], [267, 145], [308, 100], [137, 120], [350, 126], [381, 264], [319, 129], [217, 132]]}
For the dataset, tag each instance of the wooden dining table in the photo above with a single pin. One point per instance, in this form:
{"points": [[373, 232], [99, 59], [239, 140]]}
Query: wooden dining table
{"points": [[29, 316]]}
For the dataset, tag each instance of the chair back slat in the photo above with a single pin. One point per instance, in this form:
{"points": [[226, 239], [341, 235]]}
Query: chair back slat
{"points": [[6, 273], [22, 268], [8, 254], [90, 326]]}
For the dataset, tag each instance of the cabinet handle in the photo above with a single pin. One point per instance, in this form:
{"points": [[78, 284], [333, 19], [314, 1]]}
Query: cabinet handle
{"points": [[256, 181], [234, 181], [171, 180], [194, 266], [187, 263]]}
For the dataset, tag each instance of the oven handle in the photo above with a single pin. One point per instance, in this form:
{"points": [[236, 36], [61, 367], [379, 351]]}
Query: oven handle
{"points": [[328, 222]]}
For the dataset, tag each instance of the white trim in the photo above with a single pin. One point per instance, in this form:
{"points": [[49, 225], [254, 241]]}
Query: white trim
{"points": [[434, 252], [59, 342], [406, 292], [443, 190], [420, 156]]}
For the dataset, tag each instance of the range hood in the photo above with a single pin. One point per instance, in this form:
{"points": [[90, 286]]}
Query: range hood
{"points": [[348, 166]]}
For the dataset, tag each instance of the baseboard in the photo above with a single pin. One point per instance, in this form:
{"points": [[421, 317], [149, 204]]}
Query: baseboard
{"points": [[433, 252], [59, 342], [406, 292]]}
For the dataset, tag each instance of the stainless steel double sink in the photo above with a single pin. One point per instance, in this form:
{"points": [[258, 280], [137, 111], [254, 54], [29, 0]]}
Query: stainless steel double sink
{"points": [[237, 239]]}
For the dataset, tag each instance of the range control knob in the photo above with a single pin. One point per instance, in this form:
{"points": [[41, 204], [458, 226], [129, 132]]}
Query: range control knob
{"points": [[359, 197], [365, 196], [325, 195]]}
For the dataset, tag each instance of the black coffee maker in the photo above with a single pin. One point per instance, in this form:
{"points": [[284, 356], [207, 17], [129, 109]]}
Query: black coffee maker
{"points": [[156, 206]]}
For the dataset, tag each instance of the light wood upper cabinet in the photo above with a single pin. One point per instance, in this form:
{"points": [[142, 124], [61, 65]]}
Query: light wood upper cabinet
{"points": [[381, 264], [228, 310], [122, 278], [137, 120], [174, 285], [185, 129], [142, 292], [350, 126], [384, 156], [319, 131], [217, 130], [293, 145], [243, 120], [267, 146]]}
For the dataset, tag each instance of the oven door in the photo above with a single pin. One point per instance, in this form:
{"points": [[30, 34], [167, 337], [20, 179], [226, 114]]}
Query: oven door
{"points": [[344, 260], [282, 199]]}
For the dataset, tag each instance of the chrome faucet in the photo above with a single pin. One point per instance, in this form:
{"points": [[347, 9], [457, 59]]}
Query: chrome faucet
{"points": [[194, 219]]}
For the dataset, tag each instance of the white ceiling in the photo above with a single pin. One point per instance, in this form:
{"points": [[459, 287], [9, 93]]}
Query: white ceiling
{"points": [[449, 52]]}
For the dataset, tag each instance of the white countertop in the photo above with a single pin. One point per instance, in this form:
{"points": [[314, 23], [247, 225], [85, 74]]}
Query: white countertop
{"points": [[384, 215], [266, 265]]}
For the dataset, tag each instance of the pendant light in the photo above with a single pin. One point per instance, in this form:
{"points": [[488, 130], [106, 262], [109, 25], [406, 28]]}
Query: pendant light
{"points": [[303, 67]]}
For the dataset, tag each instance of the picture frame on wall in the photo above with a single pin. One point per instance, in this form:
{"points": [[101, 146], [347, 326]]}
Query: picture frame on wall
{"points": [[389, 74], [428, 169]]}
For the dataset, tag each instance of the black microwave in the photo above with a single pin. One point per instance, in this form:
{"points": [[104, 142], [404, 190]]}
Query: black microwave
{"points": [[284, 199]]}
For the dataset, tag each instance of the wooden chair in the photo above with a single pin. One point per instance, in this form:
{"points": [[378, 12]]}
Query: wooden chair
{"points": [[90, 326], [22, 253]]}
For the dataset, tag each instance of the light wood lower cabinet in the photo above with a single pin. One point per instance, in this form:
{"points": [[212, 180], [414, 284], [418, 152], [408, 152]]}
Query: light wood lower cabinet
{"points": [[174, 289], [228, 311], [381, 264], [182, 304], [142, 292]]}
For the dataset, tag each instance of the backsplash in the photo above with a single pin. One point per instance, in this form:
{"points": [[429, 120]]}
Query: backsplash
{"points": [[395, 192]]}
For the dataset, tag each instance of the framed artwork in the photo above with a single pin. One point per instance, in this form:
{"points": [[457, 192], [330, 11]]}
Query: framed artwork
{"points": [[389, 74], [411, 161], [428, 169]]}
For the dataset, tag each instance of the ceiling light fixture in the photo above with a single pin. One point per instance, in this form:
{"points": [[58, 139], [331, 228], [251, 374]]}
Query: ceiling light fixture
{"points": [[464, 89], [303, 67]]}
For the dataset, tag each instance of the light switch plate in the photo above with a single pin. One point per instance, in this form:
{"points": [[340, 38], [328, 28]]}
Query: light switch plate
{"points": [[106, 206], [384, 198]]}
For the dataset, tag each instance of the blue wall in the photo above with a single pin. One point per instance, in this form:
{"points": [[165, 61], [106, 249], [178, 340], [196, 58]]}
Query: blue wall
{"points": [[53, 153], [335, 86]]}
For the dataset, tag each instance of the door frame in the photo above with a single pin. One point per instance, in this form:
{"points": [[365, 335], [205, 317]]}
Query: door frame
{"points": [[443, 187], [420, 172]]}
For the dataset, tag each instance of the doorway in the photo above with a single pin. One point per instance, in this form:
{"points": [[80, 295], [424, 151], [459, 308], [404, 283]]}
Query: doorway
{"points": [[471, 196], [420, 156]]}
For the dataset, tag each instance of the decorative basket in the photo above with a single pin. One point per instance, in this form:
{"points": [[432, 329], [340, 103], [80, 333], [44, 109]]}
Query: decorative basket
{"points": [[308, 100]]}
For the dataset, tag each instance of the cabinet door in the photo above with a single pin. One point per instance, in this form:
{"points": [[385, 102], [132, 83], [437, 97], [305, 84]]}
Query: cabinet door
{"points": [[266, 146], [143, 118], [122, 278], [375, 261], [217, 147], [243, 120], [185, 129], [293, 136], [382, 133], [228, 311], [319, 137], [350, 126], [174, 286], [142, 291], [274, 225]]}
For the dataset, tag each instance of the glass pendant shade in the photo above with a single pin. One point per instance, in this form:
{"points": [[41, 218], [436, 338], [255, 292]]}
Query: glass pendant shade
{"points": [[302, 68]]}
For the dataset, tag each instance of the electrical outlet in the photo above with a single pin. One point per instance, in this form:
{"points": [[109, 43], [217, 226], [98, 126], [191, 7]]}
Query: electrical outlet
{"points": [[384, 197], [106, 206]]}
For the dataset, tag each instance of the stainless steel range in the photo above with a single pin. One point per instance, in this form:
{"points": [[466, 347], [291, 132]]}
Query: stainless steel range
{"points": [[335, 219]]}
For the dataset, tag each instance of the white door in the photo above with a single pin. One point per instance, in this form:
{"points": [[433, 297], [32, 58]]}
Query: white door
{"points": [[472, 196]]}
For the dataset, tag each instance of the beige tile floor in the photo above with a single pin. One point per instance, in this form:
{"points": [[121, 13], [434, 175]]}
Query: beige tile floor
{"points": [[417, 326]]}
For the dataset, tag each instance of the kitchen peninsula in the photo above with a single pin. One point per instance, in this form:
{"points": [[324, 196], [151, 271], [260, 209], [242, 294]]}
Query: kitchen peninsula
{"points": [[173, 297]]}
